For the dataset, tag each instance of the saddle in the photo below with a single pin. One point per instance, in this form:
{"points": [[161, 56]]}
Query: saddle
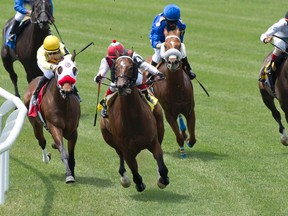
{"points": [[12, 44]]}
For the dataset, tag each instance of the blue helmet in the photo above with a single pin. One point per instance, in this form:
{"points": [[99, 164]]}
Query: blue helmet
{"points": [[172, 12]]}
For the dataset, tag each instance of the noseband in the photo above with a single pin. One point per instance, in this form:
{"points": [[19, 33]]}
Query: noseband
{"points": [[171, 56]]}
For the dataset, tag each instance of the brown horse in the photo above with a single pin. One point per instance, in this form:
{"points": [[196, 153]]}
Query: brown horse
{"points": [[175, 93], [29, 39], [132, 126], [60, 110], [281, 93]]}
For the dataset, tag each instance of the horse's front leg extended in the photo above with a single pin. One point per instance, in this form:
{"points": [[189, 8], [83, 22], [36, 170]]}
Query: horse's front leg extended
{"points": [[58, 139], [132, 163], [125, 181], [71, 149], [179, 138], [191, 128]]}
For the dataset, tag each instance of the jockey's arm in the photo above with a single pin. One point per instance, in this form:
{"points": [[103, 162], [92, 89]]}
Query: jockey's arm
{"points": [[103, 69]]}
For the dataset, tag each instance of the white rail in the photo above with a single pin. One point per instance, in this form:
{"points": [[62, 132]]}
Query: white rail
{"points": [[15, 111]]}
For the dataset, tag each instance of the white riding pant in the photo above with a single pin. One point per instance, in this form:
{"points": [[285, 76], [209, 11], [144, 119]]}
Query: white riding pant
{"points": [[19, 17], [281, 44], [156, 56]]}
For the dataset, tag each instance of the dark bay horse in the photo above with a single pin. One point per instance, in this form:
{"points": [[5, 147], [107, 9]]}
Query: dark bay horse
{"points": [[60, 110], [28, 41], [175, 93], [133, 127], [281, 93]]}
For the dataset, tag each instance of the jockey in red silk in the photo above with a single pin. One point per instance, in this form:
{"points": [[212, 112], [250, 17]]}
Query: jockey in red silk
{"points": [[21, 12], [279, 29], [115, 50], [169, 19]]}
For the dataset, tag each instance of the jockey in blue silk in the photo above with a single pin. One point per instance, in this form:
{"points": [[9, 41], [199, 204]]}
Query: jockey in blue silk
{"points": [[21, 12], [169, 19]]}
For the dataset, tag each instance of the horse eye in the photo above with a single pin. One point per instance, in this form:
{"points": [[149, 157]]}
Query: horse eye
{"points": [[60, 69], [75, 71]]}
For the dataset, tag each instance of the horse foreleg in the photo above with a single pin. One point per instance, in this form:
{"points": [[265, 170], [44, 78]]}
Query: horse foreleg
{"points": [[157, 152], [160, 122], [71, 149], [58, 139], [191, 128], [132, 163], [125, 181], [179, 138]]}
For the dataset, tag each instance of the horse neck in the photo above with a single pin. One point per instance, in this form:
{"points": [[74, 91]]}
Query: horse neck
{"points": [[174, 77], [130, 103], [53, 92]]}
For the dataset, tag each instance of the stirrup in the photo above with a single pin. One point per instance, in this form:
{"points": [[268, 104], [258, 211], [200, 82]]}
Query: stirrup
{"points": [[34, 100]]}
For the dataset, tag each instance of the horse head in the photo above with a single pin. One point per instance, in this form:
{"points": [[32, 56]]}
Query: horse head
{"points": [[42, 13], [126, 72], [65, 75], [171, 49]]}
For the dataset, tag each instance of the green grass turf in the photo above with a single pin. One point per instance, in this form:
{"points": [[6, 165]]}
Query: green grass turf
{"points": [[237, 167]]}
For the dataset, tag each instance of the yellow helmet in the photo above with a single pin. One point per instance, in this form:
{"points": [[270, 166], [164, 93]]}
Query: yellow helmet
{"points": [[51, 43]]}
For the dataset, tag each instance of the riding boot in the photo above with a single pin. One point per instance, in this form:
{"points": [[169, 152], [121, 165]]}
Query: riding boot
{"points": [[76, 93], [154, 63], [188, 68], [268, 70], [145, 92], [104, 112], [13, 30], [41, 83]]}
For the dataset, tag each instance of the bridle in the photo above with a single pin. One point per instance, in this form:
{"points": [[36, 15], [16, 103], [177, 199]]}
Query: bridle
{"points": [[36, 18]]}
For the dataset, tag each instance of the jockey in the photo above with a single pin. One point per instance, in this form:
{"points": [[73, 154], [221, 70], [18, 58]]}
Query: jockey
{"points": [[279, 29], [115, 50], [169, 19], [48, 57], [21, 12]]}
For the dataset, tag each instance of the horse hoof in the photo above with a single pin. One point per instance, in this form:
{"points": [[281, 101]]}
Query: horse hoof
{"points": [[47, 158], [189, 144], [70, 179], [140, 187], [284, 142], [54, 146], [125, 181], [162, 183]]}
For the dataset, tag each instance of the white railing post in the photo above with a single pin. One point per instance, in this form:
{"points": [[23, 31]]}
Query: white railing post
{"points": [[8, 134]]}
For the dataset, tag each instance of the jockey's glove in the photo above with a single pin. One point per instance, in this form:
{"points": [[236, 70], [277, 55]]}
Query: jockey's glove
{"points": [[98, 78], [158, 46]]}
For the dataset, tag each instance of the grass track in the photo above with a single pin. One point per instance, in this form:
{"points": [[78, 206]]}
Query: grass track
{"points": [[238, 166]]}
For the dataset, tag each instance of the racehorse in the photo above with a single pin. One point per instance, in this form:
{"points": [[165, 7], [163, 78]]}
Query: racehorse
{"points": [[132, 126], [59, 112], [29, 39], [175, 93], [281, 93]]}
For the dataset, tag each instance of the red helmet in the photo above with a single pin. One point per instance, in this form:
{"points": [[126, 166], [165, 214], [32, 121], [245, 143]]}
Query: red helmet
{"points": [[115, 49]]}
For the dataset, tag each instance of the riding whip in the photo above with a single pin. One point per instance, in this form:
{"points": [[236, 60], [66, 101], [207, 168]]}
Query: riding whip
{"points": [[202, 87], [85, 47], [95, 117]]}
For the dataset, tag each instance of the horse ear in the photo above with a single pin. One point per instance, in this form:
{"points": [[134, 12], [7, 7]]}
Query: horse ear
{"points": [[73, 56]]}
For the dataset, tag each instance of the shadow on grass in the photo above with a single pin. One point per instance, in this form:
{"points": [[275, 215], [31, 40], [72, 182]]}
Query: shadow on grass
{"points": [[159, 196], [50, 189], [204, 156]]}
